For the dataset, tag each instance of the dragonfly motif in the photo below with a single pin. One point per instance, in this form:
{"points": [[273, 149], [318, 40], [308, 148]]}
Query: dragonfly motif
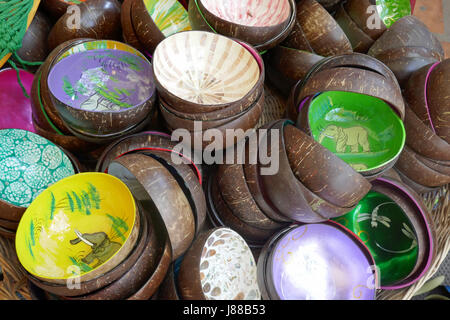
{"points": [[375, 217]]}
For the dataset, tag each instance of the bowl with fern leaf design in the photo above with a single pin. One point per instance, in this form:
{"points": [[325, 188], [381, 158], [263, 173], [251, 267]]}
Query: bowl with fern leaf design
{"points": [[77, 230], [102, 87]]}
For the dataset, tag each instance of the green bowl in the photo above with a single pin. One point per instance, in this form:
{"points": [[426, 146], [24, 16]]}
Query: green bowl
{"points": [[388, 233], [392, 10], [361, 130]]}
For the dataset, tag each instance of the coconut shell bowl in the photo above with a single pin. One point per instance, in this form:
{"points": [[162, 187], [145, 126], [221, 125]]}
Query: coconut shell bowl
{"points": [[29, 164], [322, 261], [215, 80], [364, 23], [79, 229], [259, 210], [152, 21], [261, 23], [426, 160], [397, 228], [418, 48], [102, 89], [361, 130], [11, 94], [218, 266]]}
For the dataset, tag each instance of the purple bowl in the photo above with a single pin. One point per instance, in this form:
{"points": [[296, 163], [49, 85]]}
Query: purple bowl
{"points": [[320, 262], [15, 108]]}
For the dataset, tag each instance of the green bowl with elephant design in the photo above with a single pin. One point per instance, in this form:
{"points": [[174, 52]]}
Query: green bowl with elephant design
{"points": [[362, 130]]}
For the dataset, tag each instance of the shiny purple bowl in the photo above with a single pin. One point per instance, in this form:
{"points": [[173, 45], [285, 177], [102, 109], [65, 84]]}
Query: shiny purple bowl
{"points": [[321, 261]]}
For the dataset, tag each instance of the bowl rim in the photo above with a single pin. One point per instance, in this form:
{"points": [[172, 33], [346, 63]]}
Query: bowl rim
{"points": [[76, 176], [133, 51]]}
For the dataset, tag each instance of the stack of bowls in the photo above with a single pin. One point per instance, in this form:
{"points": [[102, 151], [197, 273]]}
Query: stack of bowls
{"points": [[330, 105], [398, 230], [100, 90], [28, 165], [322, 261], [364, 22], [170, 181], [213, 83], [425, 162], [146, 23], [309, 185], [85, 237], [407, 46], [315, 35], [98, 19], [261, 23]]}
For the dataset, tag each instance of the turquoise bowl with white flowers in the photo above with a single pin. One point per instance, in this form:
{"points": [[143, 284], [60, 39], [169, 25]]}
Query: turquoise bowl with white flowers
{"points": [[29, 164]]}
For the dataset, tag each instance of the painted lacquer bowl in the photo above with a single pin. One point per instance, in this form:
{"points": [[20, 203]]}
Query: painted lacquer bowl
{"points": [[76, 227], [15, 108], [262, 23], [391, 11], [102, 87], [154, 20], [203, 71], [316, 262], [219, 266], [395, 226], [28, 165], [361, 130]]}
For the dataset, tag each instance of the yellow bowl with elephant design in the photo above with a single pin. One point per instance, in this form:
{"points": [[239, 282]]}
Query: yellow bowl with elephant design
{"points": [[82, 226]]}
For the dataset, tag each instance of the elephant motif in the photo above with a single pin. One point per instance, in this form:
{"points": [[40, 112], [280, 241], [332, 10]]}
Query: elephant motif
{"points": [[347, 137], [102, 247]]}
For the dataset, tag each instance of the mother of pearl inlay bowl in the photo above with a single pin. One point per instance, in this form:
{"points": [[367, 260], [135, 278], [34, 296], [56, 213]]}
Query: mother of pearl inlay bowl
{"points": [[228, 268]]}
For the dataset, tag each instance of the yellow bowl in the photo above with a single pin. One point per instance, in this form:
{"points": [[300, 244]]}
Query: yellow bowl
{"points": [[77, 227]]}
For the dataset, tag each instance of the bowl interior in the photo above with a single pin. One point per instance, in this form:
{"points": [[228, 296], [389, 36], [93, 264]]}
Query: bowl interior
{"points": [[388, 233], [228, 268], [205, 68], [361, 130], [169, 16], [28, 165], [319, 261], [391, 11], [257, 13], [11, 94], [101, 76], [75, 226]]}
